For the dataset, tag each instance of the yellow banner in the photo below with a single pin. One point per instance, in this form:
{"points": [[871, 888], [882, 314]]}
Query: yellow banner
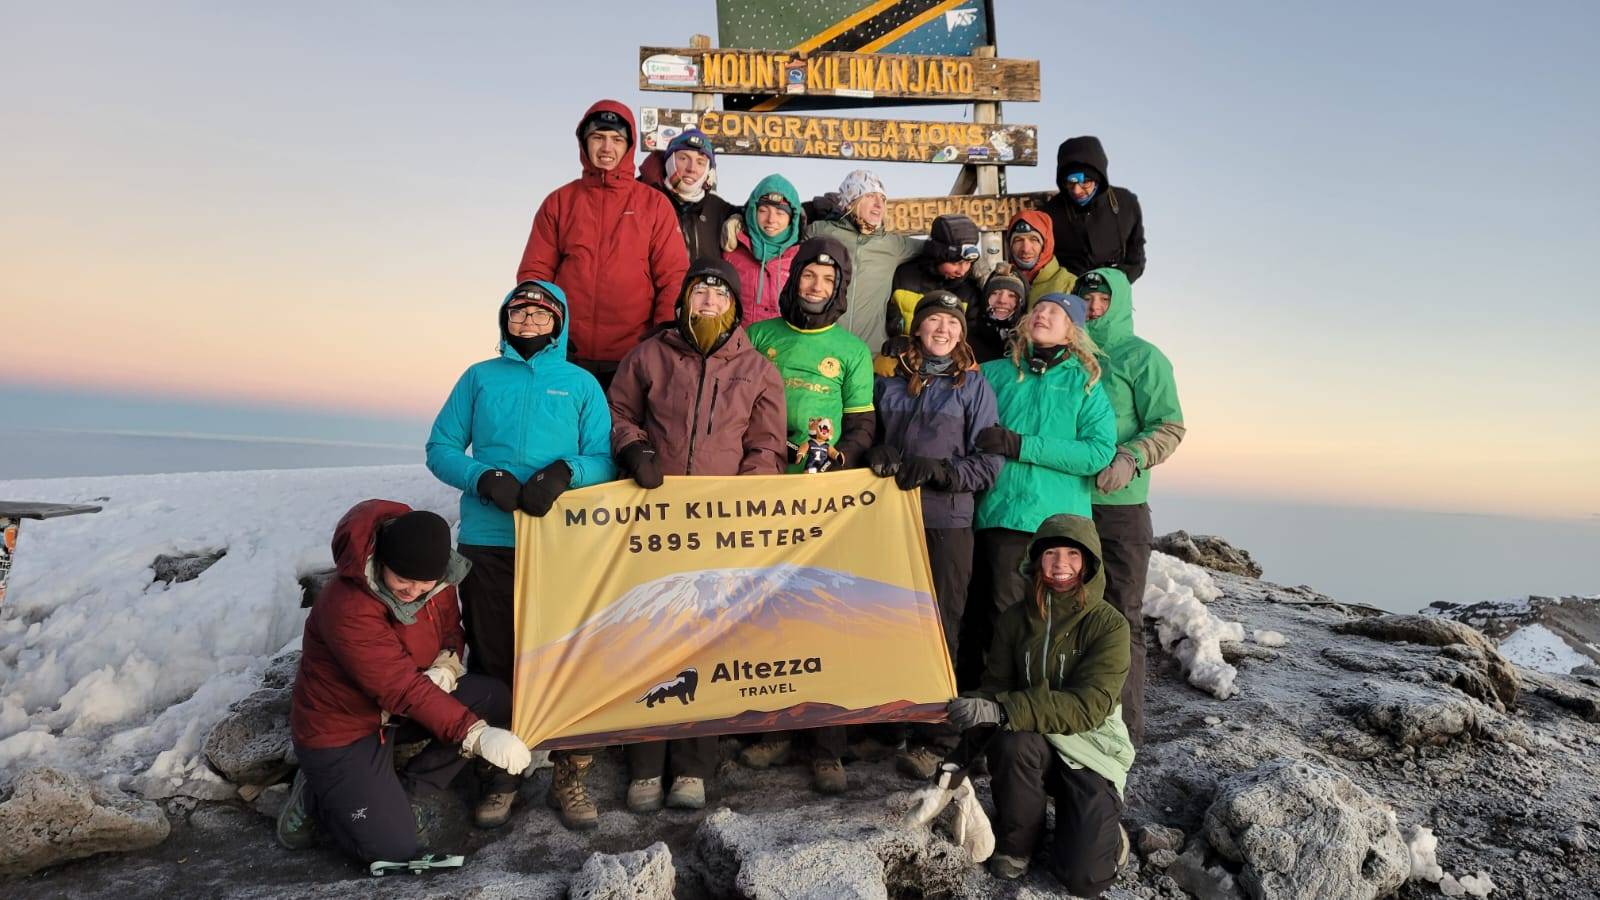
{"points": [[723, 606]]}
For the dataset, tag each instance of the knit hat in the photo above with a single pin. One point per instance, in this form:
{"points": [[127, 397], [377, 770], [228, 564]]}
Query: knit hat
{"points": [[858, 184], [1002, 278], [938, 302], [1071, 304], [604, 120], [1092, 283], [696, 140], [953, 238], [415, 545]]}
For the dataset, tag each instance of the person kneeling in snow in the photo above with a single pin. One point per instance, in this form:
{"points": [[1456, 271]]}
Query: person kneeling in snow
{"points": [[380, 664], [1054, 673]]}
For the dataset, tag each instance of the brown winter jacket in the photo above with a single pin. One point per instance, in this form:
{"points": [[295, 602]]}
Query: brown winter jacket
{"points": [[721, 414], [358, 661]]}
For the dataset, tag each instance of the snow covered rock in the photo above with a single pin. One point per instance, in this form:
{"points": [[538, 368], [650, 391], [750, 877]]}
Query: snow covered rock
{"points": [[251, 745], [641, 875], [1302, 830], [1436, 632], [1176, 595], [1210, 551], [49, 816]]}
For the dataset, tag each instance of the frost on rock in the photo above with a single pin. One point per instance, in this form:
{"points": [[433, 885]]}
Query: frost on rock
{"points": [[1424, 849], [1176, 595], [1269, 638], [104, 670]]}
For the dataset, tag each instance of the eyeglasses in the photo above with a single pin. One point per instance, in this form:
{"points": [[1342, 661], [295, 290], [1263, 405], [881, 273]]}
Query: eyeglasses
{"points": [[537, 314]]}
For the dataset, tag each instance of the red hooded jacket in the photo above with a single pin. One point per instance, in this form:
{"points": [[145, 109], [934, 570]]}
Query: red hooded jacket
{"points": [[612, 243], [357, 661]]}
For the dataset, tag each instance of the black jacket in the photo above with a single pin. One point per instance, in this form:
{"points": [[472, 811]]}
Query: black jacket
{"points": [[917, 277], [1107, 232], [701, 223]]}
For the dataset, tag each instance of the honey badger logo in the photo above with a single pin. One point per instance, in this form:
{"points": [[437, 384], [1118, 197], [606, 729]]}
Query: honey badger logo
{"points": [[681, 687]]}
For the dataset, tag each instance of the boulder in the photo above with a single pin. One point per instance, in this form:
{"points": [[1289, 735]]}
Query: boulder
{"points": [[251, 744], [1436, 632], [642, 875], [49, 816], [1210, 551], [1302, 830], [176, 569]]}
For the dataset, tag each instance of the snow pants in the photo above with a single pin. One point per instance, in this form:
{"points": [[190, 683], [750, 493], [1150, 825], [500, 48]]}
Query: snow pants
{"points": [[684, 758], [1082, 853], [356, 795], [488, 611], [1126, 536]]}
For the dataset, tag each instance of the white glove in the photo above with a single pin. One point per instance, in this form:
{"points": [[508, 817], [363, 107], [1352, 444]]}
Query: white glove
{"points": [[970, 828], [446, 671], [497, 746], [732, 227]]}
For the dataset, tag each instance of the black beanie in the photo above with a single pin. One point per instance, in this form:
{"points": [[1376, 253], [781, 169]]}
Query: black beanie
{"points": [[948, 235], [415, 545], [938, 302]]}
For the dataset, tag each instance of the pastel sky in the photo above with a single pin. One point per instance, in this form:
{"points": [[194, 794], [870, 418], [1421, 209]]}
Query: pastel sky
{"points": [[1371, 225]]}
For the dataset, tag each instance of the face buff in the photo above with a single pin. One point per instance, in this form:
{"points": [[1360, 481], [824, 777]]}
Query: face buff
{"points": [[707, 330]]}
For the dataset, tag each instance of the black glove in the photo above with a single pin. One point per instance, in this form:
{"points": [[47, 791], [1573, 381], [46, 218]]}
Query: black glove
{"points": [[500, 488], [639, 460], [539, 493], [883, 460], [970, 712], [917, 471], [1000, 439]]}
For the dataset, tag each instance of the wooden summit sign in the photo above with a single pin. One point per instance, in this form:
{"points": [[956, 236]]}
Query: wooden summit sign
{"points": [[992, 213], [958, 79], [835, 137]]}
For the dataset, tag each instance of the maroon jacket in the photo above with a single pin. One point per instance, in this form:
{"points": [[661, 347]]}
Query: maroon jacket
{"points": [[721, 414], [357, 661], [612, 243]]}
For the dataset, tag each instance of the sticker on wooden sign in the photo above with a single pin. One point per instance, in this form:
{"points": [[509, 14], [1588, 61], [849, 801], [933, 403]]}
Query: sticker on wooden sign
{"points": [[669, 70]]}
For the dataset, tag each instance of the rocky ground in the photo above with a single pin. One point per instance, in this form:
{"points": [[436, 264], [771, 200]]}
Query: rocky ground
{"points": [[1309, 782]]}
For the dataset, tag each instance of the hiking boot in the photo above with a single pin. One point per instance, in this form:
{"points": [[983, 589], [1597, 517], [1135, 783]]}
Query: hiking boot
{"points": [[1122, 854], [917, 762], [494, 809], [687, 793], [765, 754], [569, 794], [296, 829], [827, 775], [644, 794], [1009, 868]]}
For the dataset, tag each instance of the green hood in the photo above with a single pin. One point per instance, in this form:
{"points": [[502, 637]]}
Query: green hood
{"points": [[1081, 531], [1116, 325], [762, 247]]}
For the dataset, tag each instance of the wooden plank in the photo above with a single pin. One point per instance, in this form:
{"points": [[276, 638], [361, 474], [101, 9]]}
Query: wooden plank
{"points": [[836, 137], [957, 79], [914, 215]]}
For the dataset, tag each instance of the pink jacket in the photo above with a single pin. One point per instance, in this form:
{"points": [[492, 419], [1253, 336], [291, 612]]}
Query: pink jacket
{"points": [[759, 283]]}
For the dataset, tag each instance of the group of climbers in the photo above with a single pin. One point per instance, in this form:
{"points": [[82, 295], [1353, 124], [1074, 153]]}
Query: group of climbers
{"points": [[658, 330]]}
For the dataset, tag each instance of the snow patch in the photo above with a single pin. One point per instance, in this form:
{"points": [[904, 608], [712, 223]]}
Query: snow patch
{"points": [[1269, 638], [1176, 595], [1534, 646], [1424, 849], [105, 672]]}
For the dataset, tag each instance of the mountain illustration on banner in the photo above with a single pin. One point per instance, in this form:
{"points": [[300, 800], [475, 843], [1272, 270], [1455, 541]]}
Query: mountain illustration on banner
{"points": [[720, 651]]}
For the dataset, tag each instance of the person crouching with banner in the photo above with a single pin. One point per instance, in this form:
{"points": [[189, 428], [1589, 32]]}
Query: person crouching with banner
{"points": [[827, 378], [733, 424], [535, 425], [929, 415], [1054, 672], [380, 664]]}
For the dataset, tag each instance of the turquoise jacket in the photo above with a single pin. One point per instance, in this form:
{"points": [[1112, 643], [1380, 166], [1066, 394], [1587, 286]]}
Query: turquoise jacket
{"points": [[519, 415], [1068, 435], [1139, 383]]}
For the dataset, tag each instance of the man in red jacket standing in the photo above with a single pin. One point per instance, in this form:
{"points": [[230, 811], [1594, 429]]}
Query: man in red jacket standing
{"points": [[380, 663], [612, 244]]}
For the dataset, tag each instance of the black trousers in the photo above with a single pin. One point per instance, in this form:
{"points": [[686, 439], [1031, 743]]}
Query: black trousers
{"points": [[950, 558], [683, 758], [1083, 850], [1005, 550], [356, 795], [1126, 536], [488, 610]]}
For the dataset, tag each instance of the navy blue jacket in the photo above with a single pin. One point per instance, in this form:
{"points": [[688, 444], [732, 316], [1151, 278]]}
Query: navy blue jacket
{"points": [[942, 422]]}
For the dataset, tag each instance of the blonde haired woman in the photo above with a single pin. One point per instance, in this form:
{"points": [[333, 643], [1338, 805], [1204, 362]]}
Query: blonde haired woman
{"points": [[1056, 431]]}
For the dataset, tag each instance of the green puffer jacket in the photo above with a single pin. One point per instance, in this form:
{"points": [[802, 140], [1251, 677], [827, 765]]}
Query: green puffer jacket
{"points": [[873, 259], [1052, 279], [1067, 437], [1139, 383], [1060, 674]]}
